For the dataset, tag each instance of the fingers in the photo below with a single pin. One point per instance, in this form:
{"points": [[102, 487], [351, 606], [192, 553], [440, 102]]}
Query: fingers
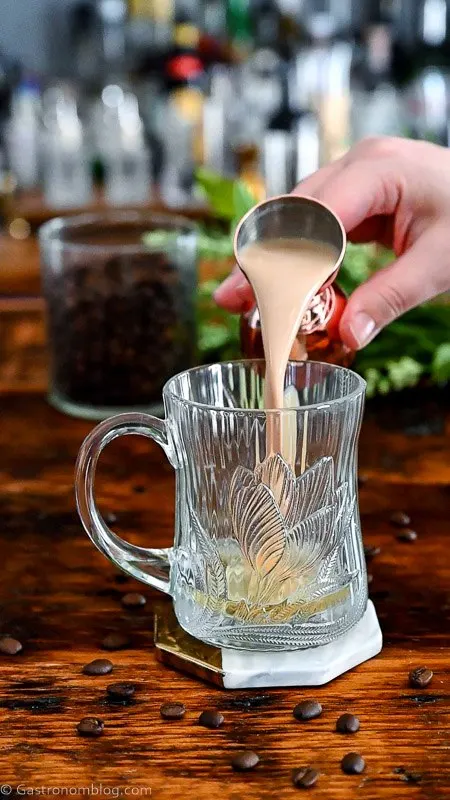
{"points": [[423, 272], [314, 183], [361, 191], [235, 293], [367, 182], [378, 229]]}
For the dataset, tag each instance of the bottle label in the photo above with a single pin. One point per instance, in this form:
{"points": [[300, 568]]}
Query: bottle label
{"points": [[320, 311]]}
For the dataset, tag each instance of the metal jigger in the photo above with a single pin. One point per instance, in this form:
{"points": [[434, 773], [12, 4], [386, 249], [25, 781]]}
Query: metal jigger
{"points": [[291, 217]]}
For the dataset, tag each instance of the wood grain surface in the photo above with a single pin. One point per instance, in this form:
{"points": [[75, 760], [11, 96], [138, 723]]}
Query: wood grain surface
{"points": [[60, 598]]}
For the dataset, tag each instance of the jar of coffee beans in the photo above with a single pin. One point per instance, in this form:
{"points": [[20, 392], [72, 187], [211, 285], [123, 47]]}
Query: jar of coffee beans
{"points": [[120, 292]]}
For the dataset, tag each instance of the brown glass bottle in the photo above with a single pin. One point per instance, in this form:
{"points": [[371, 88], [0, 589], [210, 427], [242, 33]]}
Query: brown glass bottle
{"points": [[318, 335]]}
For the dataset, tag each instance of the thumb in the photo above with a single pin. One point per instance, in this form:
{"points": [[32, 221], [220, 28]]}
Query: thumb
{"points": [[421, 273]]}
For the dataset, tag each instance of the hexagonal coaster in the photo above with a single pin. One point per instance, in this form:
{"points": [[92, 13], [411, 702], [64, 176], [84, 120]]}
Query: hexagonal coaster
{"points": [[240, 669]]}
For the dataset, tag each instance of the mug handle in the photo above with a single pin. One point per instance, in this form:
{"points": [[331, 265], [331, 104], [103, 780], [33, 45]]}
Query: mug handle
{"points": [[151, 566]]}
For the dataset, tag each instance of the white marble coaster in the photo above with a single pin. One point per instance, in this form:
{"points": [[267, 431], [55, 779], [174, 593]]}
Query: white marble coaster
{"points": [[314, 667]]}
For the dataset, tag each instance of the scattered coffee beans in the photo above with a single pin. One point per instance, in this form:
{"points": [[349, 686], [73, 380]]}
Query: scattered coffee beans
{"points": [[347, 723], [115, 641], [172, 710], [407, 535], [133, 600], [90, 726], [370, 551], [305, 778], [99, 666], [121, 691], [245, 761], [420, 677], [211, 719], [400, 519], [10, 646], [353, 764], [308, 709]]}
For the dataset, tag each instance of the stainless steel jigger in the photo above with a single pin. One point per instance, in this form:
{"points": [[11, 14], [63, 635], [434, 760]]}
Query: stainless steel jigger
{"points": [[291, 217]]}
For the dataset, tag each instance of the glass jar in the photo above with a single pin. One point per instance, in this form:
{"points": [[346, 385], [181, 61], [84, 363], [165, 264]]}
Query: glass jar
{"points": [[318, 335], [121, 309]]}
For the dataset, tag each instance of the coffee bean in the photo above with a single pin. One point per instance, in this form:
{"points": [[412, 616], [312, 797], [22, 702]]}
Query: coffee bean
{"points": [[420, 677], [90, 726], [245, 761], [172, 710], [115, 641], [10, 646], [407, 535], [121, 691], [400, 519], [308, 709], [99, 666], [133, 600], [370, 551], [211, 719], [347, 723], [305, 778], [353, 764]]}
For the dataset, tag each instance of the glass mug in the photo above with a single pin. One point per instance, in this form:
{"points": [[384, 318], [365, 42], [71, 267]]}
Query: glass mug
{"points": [[268, 551]]}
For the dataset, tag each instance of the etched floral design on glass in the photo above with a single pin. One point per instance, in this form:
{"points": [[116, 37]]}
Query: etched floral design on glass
{"points": [[283, 561], [268, 552]]}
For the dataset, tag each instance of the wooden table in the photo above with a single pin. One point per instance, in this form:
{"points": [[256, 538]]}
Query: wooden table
{"points": [[60, 597]]}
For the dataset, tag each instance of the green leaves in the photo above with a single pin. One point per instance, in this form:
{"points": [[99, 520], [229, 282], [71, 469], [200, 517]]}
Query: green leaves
{"points": [[218, 191], [243, 201], [228, 199], [440, 367], [416, 345], [218, 331]]}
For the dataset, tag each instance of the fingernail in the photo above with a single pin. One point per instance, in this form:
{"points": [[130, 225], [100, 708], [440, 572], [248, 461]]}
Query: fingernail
{"points": [[363, 329]]}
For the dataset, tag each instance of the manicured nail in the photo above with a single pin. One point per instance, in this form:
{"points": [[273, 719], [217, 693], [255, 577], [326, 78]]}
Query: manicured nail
{"points": [[363, 329]]}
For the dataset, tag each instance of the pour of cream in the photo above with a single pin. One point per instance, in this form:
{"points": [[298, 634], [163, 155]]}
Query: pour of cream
{"points": [[285, 275]]}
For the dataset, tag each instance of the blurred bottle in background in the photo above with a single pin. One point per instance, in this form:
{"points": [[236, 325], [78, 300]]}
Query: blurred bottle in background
{"points": [[22, 134], [182, 142], [124, 150], [377, 101], [67, 180], [426, 96], [177, 176]]}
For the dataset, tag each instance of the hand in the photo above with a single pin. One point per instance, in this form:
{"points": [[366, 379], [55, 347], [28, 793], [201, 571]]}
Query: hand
{"points": [[395, 192]]}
